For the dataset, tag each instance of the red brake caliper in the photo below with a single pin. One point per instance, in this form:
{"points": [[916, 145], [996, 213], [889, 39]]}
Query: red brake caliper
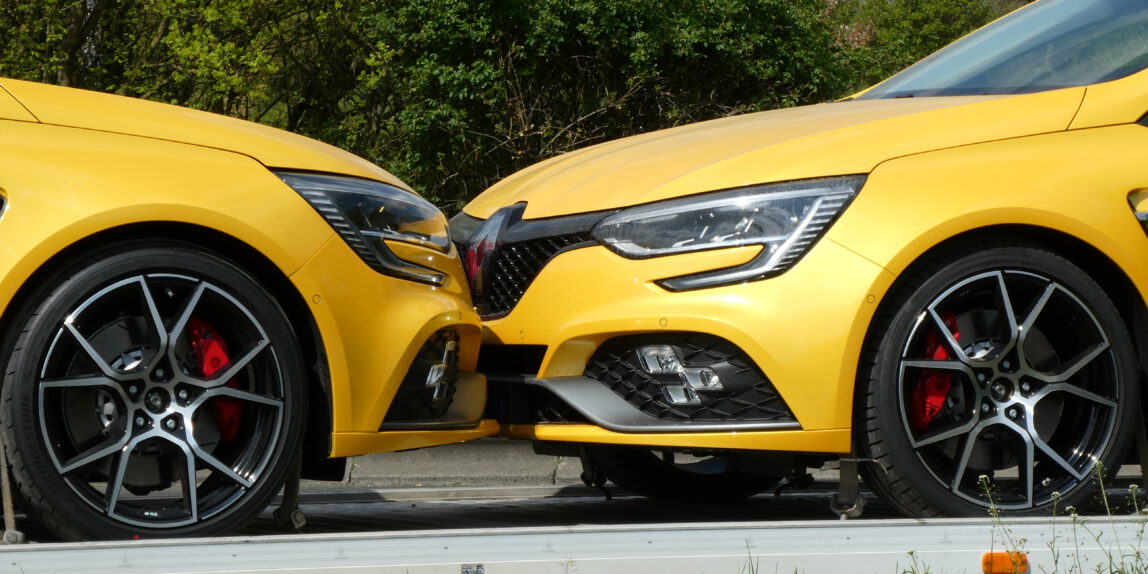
{"points": [[212, 352], [933, 386]]}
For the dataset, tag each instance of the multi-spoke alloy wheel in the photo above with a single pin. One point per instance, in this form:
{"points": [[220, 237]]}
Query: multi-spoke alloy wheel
{"points": [[1002, 379], [668, 475], [153, 391]]}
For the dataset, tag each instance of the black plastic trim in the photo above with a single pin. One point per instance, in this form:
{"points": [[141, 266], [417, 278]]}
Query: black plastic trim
{"points": [[516, 359], [459, 423], [463, 226], [606, 409]]}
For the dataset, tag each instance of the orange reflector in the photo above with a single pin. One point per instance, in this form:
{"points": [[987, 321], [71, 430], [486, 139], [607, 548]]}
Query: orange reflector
{"points": [[1004, 563]]}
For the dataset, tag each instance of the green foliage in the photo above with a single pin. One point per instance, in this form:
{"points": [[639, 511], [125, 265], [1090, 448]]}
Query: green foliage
{"points": [[467, 92], [453, 95]]}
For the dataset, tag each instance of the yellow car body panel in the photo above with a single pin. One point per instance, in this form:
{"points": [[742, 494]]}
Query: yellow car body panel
{"points": [[10, 108], [833, 440], [1076, 182], [1112, 103], [777, 145], [121, 162], [145, 180], [110, 113]]}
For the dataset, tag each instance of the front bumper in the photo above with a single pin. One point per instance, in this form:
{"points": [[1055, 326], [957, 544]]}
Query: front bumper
{"points": [[373, 328], [804, 330]]}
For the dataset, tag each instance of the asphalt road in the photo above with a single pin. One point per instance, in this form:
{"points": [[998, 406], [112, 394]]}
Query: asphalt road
{"points": [[484, 462]]}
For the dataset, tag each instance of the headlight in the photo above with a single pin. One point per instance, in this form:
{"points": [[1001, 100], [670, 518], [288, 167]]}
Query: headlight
{"points": [[367, 214], [784, 219]]}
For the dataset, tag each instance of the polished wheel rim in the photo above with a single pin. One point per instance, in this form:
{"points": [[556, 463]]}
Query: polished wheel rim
{"points": [[160, 400], [1008, 389]]}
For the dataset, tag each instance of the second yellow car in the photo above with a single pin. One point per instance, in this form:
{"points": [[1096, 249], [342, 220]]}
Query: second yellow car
{"points": [[941, 277]]}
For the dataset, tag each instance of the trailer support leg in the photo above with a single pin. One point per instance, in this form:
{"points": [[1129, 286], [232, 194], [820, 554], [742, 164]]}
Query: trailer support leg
{"points": [[847, 502], [592, 475], [289, 516], [11, 535], [1142, 448]]}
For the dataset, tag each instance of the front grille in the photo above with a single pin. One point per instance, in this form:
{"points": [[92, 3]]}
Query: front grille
{"points": [[747, 395], [504, 253], [513, 266], [428, 389]]}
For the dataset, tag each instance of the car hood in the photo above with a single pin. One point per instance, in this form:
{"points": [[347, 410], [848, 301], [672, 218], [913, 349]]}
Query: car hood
{"points": [[849, 137], [110, 113]]}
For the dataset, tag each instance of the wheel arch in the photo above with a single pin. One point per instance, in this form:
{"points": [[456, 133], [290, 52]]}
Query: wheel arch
{"points": [[317, 433], [1108, 274]]}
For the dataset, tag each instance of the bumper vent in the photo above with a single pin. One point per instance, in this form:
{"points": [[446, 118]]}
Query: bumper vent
{"points": [[736, 391], [428, 389]]}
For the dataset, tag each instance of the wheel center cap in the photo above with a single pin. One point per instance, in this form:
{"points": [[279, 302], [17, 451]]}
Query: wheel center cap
{"points": [[1001, 390], [156, 401]]}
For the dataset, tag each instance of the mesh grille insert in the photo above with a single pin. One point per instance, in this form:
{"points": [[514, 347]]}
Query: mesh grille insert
{"points": [[747, 394], [513, 266]]}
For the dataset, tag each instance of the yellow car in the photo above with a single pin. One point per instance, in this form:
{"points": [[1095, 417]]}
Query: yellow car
{"points": [[939, 277], [190, 303]]}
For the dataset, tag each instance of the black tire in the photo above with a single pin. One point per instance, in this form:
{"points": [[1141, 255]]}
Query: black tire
{"points": [[665, 475], [150, 391], [999, 376]]}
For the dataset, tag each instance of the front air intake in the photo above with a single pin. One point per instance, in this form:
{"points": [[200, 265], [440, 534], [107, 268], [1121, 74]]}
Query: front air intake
{"points": [[428, 389], [687, 377]]}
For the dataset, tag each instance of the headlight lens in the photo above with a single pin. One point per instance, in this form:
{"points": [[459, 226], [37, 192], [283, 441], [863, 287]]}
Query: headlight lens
{"points": [[785, 219], [368, 213]]}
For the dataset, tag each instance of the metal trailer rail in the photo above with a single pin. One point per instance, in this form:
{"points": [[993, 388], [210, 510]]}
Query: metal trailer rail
{"points": [[879, 546]]}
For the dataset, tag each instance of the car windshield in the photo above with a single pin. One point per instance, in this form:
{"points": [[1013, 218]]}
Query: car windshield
{"points": [[1046, 45]]}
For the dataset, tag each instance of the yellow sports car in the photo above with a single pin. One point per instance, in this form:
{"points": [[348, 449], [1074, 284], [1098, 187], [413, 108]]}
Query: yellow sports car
{"points": [[941, 276], [190, 303]]}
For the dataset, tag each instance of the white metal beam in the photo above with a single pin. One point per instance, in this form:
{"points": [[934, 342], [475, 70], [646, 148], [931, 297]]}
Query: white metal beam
{"points": [[879, 546]]}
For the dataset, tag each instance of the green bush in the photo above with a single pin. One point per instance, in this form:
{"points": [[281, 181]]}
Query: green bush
{"points": [[469, 92]]}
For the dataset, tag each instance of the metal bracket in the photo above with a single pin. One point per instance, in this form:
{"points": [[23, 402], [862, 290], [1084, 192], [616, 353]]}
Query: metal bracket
{"points": [[1142, 447], [289, 516], [799, 480], [847, 502], [592, 475]]}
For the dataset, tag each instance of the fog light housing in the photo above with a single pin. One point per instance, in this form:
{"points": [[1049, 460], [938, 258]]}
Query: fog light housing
{"points": [[665, 360], [659, 359]]}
